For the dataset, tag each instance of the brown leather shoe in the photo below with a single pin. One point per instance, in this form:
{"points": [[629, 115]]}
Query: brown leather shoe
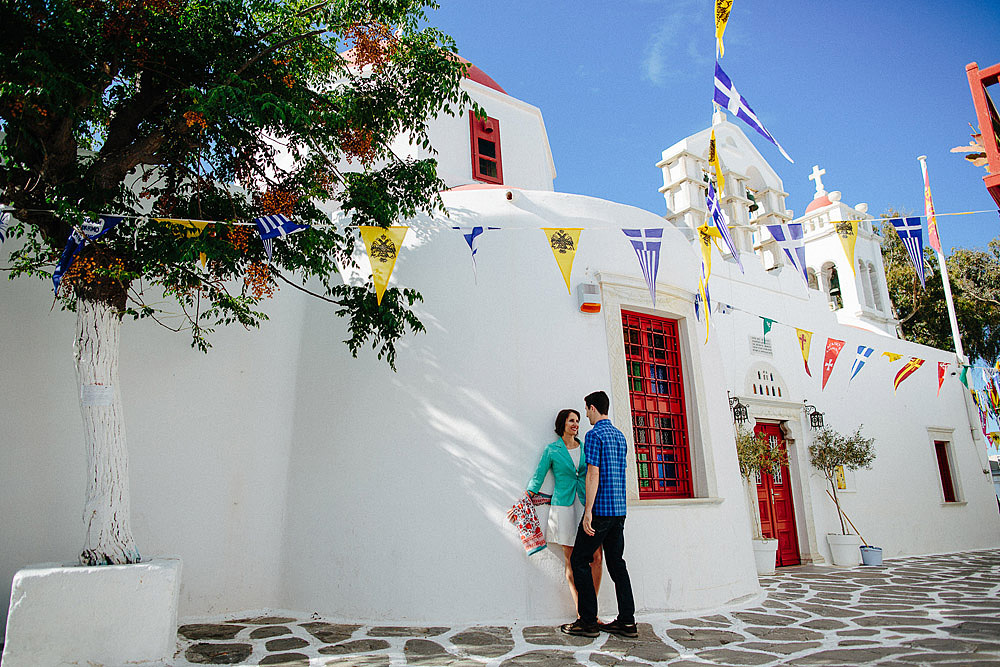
{"points": [[616, 627], [580, 629]]}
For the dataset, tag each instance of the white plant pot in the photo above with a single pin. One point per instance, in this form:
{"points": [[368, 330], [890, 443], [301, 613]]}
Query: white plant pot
{"points": [[765, 553], [102, 615], [845, 549]]}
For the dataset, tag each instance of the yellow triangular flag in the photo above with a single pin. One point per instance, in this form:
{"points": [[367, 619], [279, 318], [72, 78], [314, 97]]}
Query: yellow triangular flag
{"points": [[805, 340], [722, 9], [192, 228], [713, 159], [705, 235], [382, 245], [847, 232], [892, 356], [564, 243]]}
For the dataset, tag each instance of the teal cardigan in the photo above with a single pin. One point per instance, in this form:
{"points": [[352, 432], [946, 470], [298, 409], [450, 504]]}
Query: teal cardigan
{"points": [[568, 480]]}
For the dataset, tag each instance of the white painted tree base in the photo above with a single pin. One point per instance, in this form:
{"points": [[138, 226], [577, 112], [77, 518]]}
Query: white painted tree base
{"points": [[100, 616]]}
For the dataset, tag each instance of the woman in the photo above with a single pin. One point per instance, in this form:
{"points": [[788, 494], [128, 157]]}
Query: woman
{"points": [[569, 470]]}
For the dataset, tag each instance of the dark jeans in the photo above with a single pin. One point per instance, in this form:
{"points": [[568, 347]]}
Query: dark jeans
{"points": [[609, 533]]}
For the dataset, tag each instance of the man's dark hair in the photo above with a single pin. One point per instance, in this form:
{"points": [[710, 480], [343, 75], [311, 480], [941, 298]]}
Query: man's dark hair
{"points": [[562, 417], [599, 400]]}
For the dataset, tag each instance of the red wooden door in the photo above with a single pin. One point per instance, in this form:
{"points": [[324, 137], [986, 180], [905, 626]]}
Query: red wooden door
{"points": [[774, 497]]}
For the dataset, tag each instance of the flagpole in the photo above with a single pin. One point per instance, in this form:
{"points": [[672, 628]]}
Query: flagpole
{"points": [[955, 335]]}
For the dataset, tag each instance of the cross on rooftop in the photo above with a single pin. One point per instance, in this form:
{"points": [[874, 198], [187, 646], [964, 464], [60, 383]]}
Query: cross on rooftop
{"points": [[815, 176]]}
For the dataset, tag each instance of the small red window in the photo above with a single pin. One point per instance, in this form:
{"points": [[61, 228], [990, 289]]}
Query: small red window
{"points": [[944, 468], [659, 418], [486, 163]]}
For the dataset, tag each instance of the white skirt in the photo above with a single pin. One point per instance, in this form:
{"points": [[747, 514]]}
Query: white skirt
{"points": [[563, 522]]}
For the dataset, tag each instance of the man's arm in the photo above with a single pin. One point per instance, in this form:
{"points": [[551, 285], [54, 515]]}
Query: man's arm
{"points": [[593, 479]]}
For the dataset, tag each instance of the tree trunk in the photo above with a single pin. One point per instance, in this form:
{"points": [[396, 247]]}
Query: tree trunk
{"points": [[106, 513], [836, 501], [751, 488]]}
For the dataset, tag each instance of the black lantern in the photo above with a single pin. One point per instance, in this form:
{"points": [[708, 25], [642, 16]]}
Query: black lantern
{"points": [[815, 416], [741, 414]]}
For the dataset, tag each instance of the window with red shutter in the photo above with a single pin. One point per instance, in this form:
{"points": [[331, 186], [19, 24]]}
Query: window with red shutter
{"points": [[656, 394], [486, 162], [944, 469]]}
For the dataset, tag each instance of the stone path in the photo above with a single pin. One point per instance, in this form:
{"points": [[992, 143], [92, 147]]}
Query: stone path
{"points": [[929, 610]]}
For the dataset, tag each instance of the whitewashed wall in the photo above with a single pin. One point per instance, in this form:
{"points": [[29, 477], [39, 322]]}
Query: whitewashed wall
{"points": [[400, 481], [208, 438], [898, 504]]}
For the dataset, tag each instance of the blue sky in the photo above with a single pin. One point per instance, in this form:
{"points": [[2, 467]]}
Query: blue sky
{"points": [[860, 88]]}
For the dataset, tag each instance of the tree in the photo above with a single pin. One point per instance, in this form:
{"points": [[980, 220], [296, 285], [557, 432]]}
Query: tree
{"points": [[756, 455], [831, 450], [923, 316], [219, 110]]}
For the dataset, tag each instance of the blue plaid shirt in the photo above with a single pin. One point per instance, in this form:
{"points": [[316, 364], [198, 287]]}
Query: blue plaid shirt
{"points": [[605, 448]]}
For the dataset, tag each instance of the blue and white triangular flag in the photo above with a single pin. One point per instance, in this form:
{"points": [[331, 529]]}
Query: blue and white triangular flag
{"points": [[646, 243], [4, 219], [270, 227], [721, 222], [471, 235], [86, 232], [727, 96], [789, 238], [863, 353], [911, 234]]}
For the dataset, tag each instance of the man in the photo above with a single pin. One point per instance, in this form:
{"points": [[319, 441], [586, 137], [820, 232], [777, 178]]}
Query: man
{"points": [[602, 525]]}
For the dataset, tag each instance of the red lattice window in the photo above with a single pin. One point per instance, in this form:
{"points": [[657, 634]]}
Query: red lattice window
{"points": [[486, 163], [659, 419]]}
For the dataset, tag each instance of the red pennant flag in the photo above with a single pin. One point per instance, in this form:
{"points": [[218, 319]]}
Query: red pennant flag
{"points": [[833, 348], [908, 369], [942, 369]]}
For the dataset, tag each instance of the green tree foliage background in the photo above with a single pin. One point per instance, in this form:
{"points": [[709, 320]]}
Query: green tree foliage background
{"points": [[923, 315], [218, 110]]}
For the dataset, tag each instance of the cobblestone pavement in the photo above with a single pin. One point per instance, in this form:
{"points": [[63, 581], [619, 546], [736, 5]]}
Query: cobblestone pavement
{"points": [[928, 610]]}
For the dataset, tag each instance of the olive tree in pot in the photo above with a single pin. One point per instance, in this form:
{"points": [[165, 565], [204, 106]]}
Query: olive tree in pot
{"points": [[755, 454], [829, 451]]}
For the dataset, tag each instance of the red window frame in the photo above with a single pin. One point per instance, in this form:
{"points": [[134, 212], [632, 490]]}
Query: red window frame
{"points": [[487, 164], [659, 414], [944, 468]]}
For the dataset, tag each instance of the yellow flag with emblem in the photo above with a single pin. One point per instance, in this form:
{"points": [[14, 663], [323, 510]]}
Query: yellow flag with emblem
{"points": [[722, 9], [192, 228], [713, 159], [564, 243], [847, 232], [706, 234], [892, 356], [383, 245]]}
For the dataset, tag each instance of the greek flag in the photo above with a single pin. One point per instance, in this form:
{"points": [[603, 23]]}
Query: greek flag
{"points": [[4, 219], [271, 226], [721, 223], [87, 231], [471, 235], [863, 353], [646, 243], [911, 234], [789, 238], [727, 96]]}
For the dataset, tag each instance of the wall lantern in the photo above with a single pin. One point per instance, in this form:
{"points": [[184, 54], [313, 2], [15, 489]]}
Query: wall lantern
{"points": [[815, 416], [741, 414]]}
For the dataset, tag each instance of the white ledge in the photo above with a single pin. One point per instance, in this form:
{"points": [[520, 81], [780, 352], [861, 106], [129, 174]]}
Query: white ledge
{"points": [[676, 502]]}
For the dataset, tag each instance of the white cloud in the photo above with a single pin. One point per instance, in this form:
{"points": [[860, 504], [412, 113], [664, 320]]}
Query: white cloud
{"points": [[682, 43]]}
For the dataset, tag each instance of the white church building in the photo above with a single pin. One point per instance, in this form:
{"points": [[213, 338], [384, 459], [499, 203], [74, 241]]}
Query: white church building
{"points": [[287, 475]]}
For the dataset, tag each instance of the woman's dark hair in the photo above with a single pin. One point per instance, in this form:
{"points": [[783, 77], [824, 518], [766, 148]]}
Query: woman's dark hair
{"points": [[561, 419]]}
